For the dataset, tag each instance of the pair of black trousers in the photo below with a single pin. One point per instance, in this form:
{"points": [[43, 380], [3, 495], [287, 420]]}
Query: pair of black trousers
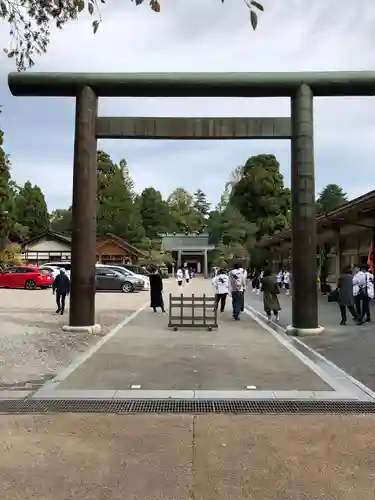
{"points": [[362, 305], [236, 303], [220, 298], [352, 311], [60, 301]]}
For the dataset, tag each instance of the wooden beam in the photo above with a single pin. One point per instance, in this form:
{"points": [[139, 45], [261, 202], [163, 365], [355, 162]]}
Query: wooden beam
{"points": [[268, 84], [193, 128]]}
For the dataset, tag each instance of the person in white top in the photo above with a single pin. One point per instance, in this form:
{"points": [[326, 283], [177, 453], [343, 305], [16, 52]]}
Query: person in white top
{"points": [[179, 276], [360, 290], [244, 273], [221, 286], [366, 292], [279, 279], [286, 279], [236, 288], [186, 274]]}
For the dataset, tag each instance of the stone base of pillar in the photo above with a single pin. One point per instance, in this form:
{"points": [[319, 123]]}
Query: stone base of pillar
{"points": [[94, 329], [303, 332]]}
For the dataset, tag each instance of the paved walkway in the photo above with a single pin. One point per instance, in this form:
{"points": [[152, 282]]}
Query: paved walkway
{"points": [[150, 457], [242, 359], [351, 347]]}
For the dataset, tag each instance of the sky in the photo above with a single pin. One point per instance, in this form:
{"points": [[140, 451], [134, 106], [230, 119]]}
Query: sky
{"points": [[196, 35]]}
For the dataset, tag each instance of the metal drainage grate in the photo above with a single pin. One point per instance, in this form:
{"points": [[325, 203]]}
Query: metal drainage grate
{"points": [[194, 406]]}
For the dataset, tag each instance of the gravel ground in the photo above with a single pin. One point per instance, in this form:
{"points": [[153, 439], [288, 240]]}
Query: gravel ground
{"points": [[33, 347]]}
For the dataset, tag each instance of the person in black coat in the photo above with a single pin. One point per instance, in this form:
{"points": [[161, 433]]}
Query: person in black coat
{"points": [[61, 286], [156, 290]]}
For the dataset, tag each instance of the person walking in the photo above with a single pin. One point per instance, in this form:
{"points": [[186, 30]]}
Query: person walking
{"points": [[279, 279], [270, 291], [236, 288], [61, 287], [221, 286], [286, 281], [244, 272], [368, 295], [345, 297], [360, 290], [179, 277], [156, 290], [187, 275]]}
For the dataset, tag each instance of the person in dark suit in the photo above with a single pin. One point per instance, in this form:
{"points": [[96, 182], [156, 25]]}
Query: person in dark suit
{"points": [[61, 286], [156, 290]]}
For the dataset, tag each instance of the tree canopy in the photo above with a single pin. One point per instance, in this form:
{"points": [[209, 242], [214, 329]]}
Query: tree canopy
{"points": [[330, 198], [260, 195], [31, 22]]}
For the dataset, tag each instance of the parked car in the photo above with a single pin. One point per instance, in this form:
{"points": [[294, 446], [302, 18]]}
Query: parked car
{"points": [[111, 279], [25, 277], [127, 272], [65, 264], [54, 270], [135, 269]]}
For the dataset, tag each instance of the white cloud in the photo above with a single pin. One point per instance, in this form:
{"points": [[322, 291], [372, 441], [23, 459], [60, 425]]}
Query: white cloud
{"points": [[192, 35]]}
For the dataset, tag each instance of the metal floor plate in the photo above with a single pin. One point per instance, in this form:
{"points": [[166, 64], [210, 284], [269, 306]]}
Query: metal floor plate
{"points": [[191, 406]]}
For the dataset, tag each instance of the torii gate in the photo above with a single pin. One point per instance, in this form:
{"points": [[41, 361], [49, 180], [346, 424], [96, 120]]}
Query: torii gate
{"points": [[299, 87]]}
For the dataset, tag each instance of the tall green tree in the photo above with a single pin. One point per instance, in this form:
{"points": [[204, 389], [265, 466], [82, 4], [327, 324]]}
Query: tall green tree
{"points": [[6, 196], [260, 195], [155, 214], [61, 220], [30, 209], [201, 204], [117, 211], [181, 208], [330, 198], [30, 22]]}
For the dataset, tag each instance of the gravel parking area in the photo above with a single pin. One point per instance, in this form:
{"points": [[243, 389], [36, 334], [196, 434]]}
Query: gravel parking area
{"points": [[33, 347]]}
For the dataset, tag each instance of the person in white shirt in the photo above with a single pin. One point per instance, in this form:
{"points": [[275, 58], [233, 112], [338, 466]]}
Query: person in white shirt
{"points": [[236, 288], [244, 272], [286, 279], [186, 274], [360, 290], [370, 294], [279, 279], [179, 276], [221, 286], [363, 291]]}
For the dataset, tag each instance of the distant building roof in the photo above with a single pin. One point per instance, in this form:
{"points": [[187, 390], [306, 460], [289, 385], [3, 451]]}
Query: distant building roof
{"points": [[62, 237], [181, 241]]}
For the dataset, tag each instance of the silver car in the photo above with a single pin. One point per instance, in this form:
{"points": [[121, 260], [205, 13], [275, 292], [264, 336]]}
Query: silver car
{"points": [[109, 279]]}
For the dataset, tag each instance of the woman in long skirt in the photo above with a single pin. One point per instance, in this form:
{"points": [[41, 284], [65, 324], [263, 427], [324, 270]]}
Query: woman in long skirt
{"points": [[156, 290], [270, 291]]}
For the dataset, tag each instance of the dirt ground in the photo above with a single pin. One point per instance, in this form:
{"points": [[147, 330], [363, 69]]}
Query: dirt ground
{"points": [[33, 346]]}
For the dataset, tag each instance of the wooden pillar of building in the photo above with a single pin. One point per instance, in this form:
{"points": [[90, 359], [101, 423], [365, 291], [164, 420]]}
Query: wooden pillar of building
{"points": [[82, 298], [205, 263], [304, 241], [179, 259]]}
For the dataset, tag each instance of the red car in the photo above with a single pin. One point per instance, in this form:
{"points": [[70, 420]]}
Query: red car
{"points": [[25, 277]]}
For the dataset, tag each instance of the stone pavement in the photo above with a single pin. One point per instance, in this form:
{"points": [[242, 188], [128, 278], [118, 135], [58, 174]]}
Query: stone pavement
{"points": [[150, 457], [350, 347], [146, 359]]}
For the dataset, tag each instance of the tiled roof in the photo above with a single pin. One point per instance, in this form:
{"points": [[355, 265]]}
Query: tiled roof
{"points": [[185, 242]]}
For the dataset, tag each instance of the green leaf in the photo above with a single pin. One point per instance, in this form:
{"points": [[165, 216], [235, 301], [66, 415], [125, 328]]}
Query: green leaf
{"points": [[258, 5], [95, 26], [253, 19], [80, 5], [91, 8]]}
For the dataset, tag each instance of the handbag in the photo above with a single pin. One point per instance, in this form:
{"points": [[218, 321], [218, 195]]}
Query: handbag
{"points": [[333, 296]]}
